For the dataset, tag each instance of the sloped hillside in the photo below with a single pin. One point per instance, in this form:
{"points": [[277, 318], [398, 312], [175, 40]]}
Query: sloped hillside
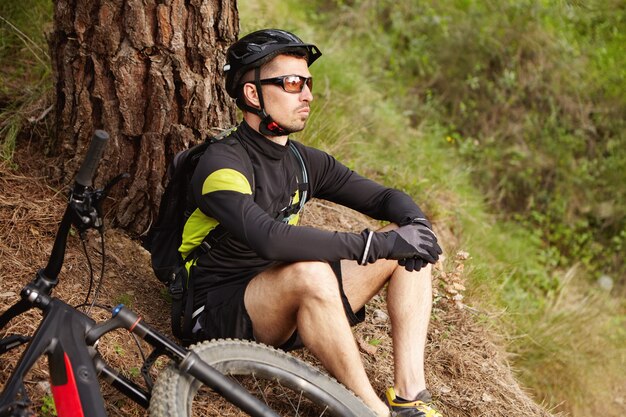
{"points": [[466, 370]]}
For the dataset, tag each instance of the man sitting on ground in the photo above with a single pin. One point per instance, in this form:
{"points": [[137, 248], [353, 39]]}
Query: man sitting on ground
{"points": [[277, 283]]}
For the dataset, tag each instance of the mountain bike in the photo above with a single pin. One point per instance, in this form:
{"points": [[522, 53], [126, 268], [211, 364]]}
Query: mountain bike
{"points": [[247, 377]]}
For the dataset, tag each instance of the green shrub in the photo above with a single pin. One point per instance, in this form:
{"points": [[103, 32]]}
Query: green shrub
{"points": [[531, 95]]}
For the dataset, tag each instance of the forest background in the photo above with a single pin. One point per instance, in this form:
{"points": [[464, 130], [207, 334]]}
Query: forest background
{"points": [[504, 119]]}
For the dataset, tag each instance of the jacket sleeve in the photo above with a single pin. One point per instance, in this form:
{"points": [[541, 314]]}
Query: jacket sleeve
{"points": [[333, 181], [279, 241], [222, 189]]}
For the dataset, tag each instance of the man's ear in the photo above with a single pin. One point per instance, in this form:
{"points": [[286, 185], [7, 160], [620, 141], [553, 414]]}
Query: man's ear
{"points": [[250, 95]]}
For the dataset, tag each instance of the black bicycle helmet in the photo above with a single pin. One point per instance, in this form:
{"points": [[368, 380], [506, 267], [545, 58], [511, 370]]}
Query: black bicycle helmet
{"points": [[251, 52], [257, 48]]}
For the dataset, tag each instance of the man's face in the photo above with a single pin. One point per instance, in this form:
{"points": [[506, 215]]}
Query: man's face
{"points": [[290, 110]]}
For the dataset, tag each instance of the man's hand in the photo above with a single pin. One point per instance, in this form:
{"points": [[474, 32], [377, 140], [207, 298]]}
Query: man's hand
{"points": [[412, 264], [414, 240]]}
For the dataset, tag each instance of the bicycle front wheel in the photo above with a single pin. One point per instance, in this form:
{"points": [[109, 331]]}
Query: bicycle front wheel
{"points": [[287, 385]]}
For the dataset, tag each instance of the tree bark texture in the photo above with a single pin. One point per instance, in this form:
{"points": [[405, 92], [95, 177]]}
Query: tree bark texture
{"points": [[149, 72]]}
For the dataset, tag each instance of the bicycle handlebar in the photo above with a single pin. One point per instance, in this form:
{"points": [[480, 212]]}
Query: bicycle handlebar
{"points": [[92, 158], [77, 199]]}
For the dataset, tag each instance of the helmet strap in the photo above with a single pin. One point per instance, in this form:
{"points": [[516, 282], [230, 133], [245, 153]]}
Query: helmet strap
{"points": [[267, 127]]}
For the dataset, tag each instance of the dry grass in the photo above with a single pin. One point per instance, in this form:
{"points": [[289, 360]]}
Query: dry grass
{"points": [[577, 346], [467, 372]]}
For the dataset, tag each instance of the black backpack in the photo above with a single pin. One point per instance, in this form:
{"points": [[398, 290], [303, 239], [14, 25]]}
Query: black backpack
{"points": [[165, 236]]}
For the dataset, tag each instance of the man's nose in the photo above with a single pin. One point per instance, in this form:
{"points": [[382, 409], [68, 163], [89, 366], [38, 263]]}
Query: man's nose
{"points": [[306, 94]]}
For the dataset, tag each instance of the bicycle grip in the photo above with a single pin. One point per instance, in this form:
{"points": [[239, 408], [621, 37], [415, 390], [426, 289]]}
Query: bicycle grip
{"points": [[94, 154]]}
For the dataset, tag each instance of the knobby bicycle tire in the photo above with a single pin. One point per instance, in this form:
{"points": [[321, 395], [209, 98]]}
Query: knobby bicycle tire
{"points": [[300, 389]]}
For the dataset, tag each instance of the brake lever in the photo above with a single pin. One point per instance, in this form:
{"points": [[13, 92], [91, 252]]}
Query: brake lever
{"points": [[84, 211], [87, 205], [100, 195], [113, 183]]}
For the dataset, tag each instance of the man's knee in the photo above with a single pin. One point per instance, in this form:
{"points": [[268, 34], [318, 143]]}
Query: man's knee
{"points": [[315, 280], [425, 271]]}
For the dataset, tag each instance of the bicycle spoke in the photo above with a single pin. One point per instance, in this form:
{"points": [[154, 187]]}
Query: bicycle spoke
{"points": [[256, 381], [287, 402], [299, 401], [289, 399]]}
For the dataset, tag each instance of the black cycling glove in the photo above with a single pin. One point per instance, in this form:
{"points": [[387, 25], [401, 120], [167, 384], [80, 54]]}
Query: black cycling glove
{"points": [[414, 245], [414, 240], [412, 264]]}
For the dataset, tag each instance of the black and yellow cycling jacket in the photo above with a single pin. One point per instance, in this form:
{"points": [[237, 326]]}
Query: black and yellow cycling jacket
{"points": [[222, 193]]}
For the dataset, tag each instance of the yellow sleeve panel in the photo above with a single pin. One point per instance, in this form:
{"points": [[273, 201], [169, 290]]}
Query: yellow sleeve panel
{"points": [[294, 219], [226, 179], [198, 225]]}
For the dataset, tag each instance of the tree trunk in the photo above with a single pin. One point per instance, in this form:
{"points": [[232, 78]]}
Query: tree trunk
{"points": [[149, 72]]}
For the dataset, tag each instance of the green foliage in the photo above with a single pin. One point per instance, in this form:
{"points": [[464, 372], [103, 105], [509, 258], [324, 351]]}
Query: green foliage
{"points": [[119, 350], [478, 107], [126, 299], [375, 342], [531, 94], [24, 70], [134, 372], [48, 408]]}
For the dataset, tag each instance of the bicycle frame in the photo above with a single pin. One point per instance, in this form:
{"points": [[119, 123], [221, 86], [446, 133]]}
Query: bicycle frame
{"points": [[68, 337], [61, 335]]}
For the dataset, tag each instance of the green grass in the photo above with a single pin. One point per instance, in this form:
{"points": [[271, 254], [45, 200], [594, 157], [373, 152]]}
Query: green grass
{"points": [[574, 346], [25, 74], [125, 299], [47, 408], [371, 118], [9, 130]]}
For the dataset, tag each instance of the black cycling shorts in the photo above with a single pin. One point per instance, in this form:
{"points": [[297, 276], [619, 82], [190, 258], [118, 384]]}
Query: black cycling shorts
{"points": [[225, 315]]}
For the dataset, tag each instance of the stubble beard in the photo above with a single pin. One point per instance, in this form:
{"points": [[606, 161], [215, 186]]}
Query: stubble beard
{"points": [[296, 125]]}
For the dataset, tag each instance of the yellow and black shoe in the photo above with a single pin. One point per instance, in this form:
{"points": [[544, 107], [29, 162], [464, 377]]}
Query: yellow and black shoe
{"points": [[419, 407]]}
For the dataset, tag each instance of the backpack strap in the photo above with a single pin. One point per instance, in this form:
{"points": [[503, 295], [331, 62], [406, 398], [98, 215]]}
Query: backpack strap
{"points": [[302, 178], [303, 184], [177, 291]]}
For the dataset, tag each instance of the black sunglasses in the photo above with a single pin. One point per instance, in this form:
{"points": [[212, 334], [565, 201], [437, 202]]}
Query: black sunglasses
{"points": [[290, 83]]}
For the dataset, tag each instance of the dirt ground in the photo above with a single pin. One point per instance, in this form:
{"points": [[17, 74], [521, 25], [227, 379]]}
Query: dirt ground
{"points": [[467, 371]]}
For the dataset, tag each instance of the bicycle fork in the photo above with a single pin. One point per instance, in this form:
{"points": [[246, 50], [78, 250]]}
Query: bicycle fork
{"points": [[187, 360]]}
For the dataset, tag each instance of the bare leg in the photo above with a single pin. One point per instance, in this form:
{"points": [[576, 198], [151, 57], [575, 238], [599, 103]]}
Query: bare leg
{"points": [[306, 295], [409, 301]]}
